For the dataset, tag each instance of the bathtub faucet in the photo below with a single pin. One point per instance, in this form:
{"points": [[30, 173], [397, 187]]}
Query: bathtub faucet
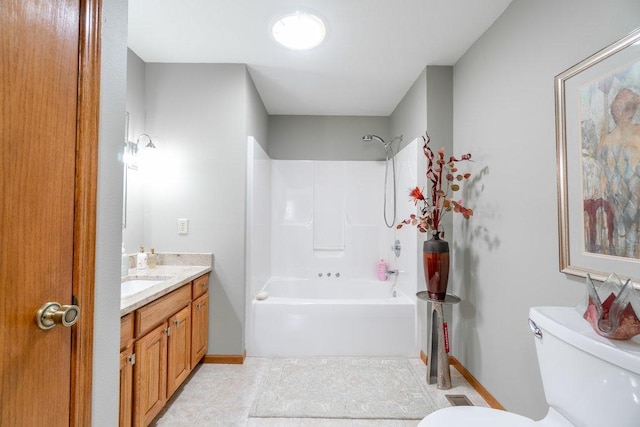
{"points": [[391, 273]]}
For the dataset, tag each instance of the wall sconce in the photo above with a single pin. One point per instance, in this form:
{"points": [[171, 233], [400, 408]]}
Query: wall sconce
{"points": [[150, 144], [132, 149]]}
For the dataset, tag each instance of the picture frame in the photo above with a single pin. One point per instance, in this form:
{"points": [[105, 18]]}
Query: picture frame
{"points": [[597, 109]]}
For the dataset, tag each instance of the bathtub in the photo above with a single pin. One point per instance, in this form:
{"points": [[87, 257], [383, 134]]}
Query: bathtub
{"points": [[332, 317]]}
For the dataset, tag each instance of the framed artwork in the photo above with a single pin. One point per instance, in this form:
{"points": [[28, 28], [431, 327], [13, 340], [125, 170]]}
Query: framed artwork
{"points": [[598, 162]]}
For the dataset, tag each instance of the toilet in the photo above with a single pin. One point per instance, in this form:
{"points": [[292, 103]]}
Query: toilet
{"points": [[588, 380]]}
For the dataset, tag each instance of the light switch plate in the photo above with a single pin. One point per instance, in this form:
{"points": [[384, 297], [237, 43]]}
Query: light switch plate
{"points": [[183, 226]]}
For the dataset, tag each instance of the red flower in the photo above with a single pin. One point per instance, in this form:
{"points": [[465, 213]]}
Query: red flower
{"points": [[416, 195]]}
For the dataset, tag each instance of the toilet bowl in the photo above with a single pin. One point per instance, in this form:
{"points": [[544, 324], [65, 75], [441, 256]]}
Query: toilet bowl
{"points": [[465, 416], [588, 380], [476, 416]]}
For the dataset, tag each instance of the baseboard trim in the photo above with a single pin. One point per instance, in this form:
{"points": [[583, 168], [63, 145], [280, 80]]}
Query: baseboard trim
{"points": [[471, 380], [224, 359]]}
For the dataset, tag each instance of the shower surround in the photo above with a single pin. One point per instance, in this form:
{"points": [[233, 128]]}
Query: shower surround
{"points": [[323, 220]]}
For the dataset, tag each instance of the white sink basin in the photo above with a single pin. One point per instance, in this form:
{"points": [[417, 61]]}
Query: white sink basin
{"points": [[131, 287]]}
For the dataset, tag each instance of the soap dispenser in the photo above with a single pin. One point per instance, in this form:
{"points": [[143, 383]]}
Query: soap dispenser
{"points": [[152, 259], [124, 266], [141, 263], [382, 270]]}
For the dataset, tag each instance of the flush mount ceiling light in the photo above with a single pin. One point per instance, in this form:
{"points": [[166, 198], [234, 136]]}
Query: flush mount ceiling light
{"points": [[298, 30]]}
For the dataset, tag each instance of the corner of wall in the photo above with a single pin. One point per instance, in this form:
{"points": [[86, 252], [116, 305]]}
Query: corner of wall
{"points": [[257, 115], [105, 390], [409, 118]]}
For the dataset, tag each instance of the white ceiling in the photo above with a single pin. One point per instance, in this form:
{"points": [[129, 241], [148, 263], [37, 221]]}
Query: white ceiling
{"points": [[374, 51]]}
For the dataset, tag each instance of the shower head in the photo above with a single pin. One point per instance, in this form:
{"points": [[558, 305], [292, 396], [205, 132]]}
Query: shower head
{"points": [[369, 138]]}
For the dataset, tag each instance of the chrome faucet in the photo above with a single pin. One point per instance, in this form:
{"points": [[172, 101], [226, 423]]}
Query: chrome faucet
{"points": [[391, 273]]}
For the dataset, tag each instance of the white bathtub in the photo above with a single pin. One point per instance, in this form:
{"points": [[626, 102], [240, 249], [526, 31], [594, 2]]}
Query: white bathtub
{"points": [[332, 317]]}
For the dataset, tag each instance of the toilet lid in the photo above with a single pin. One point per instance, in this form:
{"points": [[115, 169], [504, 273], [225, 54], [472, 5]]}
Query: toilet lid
{"points": [[466, 416]]}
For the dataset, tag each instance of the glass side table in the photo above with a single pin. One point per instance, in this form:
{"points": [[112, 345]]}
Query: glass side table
{"points": [[438, 369]]}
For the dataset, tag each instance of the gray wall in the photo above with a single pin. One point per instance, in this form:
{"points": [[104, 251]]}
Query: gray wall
{"points": [[257, 116], [440, 107], [506, 256], [135, 95], [326, 137], [440, 123], [427, 107], [133, 232], [409, 118], [200, 116], [106, 354]]}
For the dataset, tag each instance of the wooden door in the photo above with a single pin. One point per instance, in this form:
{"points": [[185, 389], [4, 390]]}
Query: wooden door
{"points": [[150, 376], [126, 387], [179, 349], [199, 328], [48, 152]]}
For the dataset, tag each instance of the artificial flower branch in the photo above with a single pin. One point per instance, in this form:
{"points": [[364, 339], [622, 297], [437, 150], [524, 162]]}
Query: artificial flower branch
{"points": [[432, 211]]}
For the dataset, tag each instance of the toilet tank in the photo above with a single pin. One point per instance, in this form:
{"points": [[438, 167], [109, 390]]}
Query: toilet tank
{"points": [[589, 379]]}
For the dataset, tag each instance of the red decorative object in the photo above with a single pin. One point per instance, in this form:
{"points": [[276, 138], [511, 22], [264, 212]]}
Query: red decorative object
{"points": [[435, 253], [444, 178], [612, 308]]}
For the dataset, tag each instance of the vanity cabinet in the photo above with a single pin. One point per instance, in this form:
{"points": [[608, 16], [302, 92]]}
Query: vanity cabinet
{"points": [[179, 349], [160, 344], [157, 351], [158, 311], [199, 328], [150, 373], [199, 319]]}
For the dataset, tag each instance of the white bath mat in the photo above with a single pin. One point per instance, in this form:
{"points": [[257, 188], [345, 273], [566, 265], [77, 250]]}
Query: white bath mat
{"points": [[342, 387]]}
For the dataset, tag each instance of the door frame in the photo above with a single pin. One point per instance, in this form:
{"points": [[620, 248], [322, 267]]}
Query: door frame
{"points": [[84, 224]]}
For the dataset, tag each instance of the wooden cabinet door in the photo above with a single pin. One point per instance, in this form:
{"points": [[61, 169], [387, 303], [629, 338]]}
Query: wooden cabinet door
{"points": [[150, 376], [126, 387], [126, 331], [179, 349], [200, 285], [199, 328]]}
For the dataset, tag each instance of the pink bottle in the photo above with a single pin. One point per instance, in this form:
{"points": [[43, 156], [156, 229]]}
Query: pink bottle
{"points": [[382, 270]]}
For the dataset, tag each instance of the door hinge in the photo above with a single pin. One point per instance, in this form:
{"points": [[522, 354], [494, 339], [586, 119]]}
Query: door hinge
{"points": [[131, 359], [168, 331]]}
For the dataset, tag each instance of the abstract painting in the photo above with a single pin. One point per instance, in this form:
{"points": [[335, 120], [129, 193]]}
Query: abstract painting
{"points": [[598, 150]]}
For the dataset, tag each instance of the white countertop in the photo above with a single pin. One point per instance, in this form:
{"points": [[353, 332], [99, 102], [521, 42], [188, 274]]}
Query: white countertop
{"points": [[174, 276]]}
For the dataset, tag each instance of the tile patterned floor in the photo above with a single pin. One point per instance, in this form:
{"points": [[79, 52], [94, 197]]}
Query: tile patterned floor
{"points": [[223, 396]]}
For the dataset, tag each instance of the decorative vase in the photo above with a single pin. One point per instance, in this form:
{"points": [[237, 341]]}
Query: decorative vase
{"points": [[435, 255]]}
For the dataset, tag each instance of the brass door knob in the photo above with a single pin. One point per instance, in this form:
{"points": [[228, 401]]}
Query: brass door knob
{"points": [[52, 313]]}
